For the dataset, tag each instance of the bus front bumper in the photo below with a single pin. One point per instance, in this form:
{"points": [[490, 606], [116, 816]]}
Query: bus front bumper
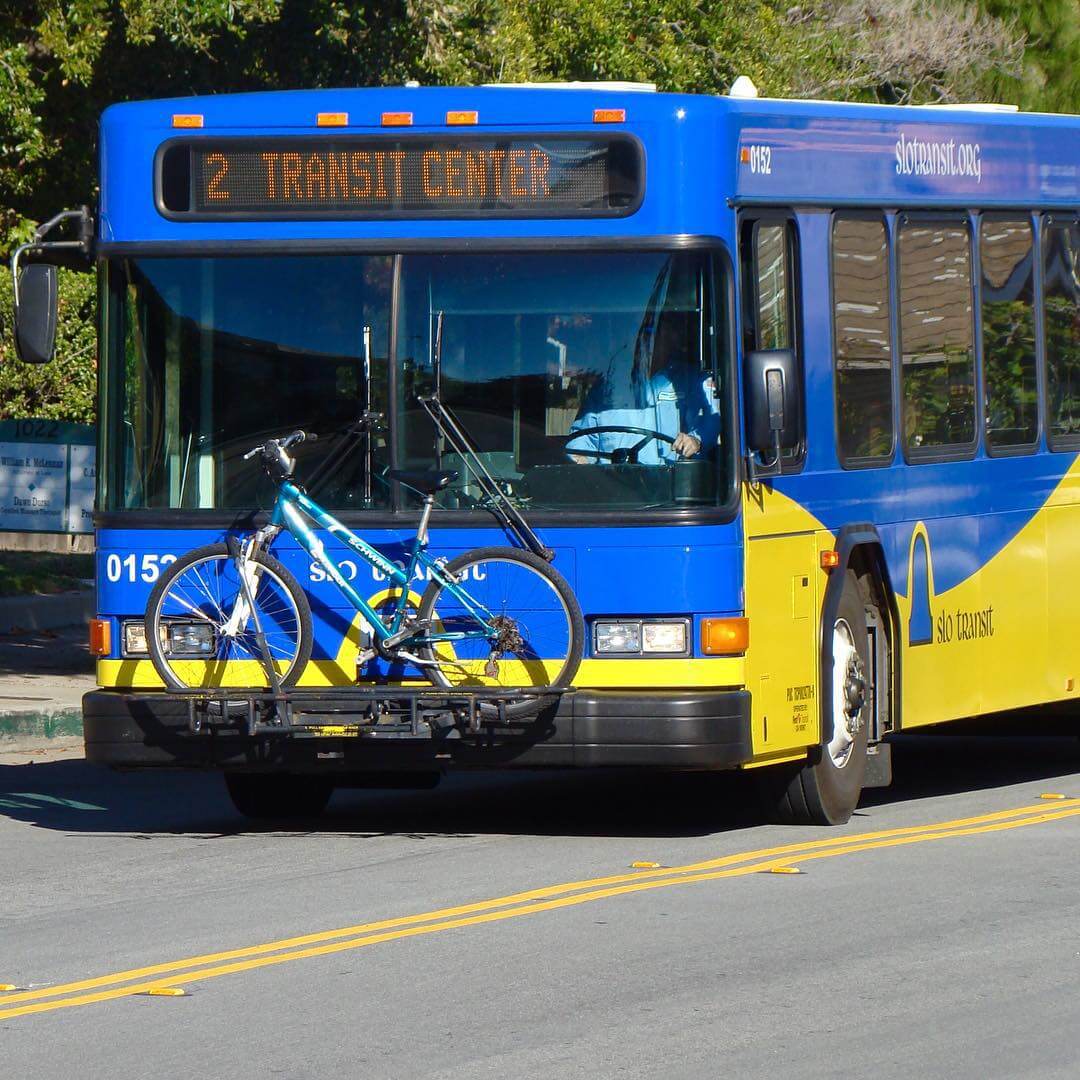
{"points": [[673, 729]]}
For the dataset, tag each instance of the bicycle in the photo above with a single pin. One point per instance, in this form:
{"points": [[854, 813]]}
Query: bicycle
{"points": [[492, 617]]}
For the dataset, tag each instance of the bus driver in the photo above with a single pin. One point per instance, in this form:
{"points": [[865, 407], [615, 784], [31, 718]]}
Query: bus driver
{"points": [[664, 391]]}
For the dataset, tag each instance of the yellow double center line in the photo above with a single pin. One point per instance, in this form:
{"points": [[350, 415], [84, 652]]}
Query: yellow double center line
{"points": [[178, 973]]}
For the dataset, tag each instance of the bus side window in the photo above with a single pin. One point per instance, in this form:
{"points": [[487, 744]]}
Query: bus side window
{"points": [[1061, 296], [862, 341], [937, 339], [773, 315], [1006, 248]]}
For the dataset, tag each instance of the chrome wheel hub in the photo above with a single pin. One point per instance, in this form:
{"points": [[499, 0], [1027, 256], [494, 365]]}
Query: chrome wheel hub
{"points": [[848, 694]]}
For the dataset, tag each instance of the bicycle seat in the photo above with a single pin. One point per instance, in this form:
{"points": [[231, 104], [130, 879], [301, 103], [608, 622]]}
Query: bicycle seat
{"points": [[426, 480]]}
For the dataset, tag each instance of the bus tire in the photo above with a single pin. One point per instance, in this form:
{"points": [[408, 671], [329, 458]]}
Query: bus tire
{"points": [[826, 789], [278, 796]]}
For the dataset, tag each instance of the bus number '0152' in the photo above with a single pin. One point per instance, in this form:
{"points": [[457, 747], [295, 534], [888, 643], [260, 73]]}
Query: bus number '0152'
{"points": [[133, 567], [760, 159]]}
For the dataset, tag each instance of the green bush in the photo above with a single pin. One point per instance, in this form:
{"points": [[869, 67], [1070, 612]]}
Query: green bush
{"points": [[66, 388]]}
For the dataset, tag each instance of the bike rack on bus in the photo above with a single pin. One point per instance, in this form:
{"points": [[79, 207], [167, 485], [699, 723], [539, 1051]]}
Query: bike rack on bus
{"points": [[382, 712]]}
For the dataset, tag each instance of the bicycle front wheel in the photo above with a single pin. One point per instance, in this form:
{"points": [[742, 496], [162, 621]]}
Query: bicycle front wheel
{"points": [[201, 630], [518, 626]]}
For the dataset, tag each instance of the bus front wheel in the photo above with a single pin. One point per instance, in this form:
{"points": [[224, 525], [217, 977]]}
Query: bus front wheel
{"points": [[825, 789]]}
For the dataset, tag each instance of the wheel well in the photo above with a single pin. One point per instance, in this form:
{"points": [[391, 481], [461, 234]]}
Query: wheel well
{"points": [[867, 562]]}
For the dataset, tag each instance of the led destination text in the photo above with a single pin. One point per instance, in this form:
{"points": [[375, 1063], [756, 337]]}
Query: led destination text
{"points": [[365, 175], [362, 177]]}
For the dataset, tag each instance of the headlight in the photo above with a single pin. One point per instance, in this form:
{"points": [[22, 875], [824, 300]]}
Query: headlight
{"points": [[190, 639], [639, 637], [618, 637], [666, 637], [178, 637], [135, 639]]}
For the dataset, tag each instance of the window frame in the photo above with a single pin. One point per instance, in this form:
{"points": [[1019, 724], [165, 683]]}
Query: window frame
{"points": [[1062, 444], [748, 225], [885, 460], [950, 451]]}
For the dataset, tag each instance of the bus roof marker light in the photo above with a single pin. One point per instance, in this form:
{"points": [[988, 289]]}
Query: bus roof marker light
{"points": [[830, 559], [609, 116], [332, 119], [462, 117], [187, 120], [725, 637], [397, 119]]}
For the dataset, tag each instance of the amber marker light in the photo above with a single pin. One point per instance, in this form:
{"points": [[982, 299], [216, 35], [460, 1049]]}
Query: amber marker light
{"points": [[100, 637], [609, 116], [332, 119], [187, 120], [725, 637], [397, 119], [462, 117], [830, 559]]}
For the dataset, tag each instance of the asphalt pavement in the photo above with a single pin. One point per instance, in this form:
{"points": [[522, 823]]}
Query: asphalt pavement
{"points": [[499, 927]]}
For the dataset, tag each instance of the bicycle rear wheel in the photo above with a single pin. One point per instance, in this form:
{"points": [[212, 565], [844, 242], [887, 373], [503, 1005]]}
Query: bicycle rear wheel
{"points": [[198, 638], [539, 631]]}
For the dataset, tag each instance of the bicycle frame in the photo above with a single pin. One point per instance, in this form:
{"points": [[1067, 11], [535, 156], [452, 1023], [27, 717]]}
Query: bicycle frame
{"points": [[291, 509]]}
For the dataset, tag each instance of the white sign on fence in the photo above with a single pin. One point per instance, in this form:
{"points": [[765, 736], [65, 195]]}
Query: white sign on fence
{"points": [[46, 486]]}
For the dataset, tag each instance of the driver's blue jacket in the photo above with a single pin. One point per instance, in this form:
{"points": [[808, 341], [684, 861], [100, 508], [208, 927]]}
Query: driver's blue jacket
{"points": [[669, 408]]}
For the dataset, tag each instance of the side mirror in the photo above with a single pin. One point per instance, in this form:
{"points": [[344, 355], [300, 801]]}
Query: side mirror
{"points": [[773, 392], [35, 313]]}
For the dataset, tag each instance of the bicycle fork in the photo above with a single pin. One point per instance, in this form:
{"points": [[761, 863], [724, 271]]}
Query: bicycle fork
{"points": [[245, 607]]}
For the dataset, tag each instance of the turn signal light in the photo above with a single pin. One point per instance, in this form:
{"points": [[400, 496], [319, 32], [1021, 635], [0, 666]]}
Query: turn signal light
{"points": [[100, 637], [397, 119], [187, 120], [830, 560], [725, 637], [609, 116]]}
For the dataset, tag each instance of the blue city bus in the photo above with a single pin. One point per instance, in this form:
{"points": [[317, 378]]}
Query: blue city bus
{"points": [[861, 323]]}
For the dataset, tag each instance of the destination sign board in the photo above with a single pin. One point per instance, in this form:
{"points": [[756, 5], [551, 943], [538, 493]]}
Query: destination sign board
{"points": [[493, 176]]}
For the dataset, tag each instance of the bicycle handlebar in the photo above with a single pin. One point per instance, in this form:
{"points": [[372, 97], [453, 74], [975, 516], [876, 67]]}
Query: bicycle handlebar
{"points": [[271, 446]]}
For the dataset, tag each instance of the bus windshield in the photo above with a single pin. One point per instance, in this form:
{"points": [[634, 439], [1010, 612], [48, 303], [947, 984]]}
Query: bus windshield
{"points": [[586, 380]]}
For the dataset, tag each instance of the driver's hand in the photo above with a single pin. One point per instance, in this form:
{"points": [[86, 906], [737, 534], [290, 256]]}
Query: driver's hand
{"points": [[686, 445]]}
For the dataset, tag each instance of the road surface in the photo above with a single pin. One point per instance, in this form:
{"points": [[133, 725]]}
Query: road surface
{"points": [[498, 927]]}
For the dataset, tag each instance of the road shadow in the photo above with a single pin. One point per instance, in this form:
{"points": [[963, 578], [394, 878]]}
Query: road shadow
{"points": [[72, 796], [46, 652]]}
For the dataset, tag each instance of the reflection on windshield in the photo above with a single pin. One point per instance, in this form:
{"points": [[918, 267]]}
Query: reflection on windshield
{"points": [[208, 357], [587, 381]]}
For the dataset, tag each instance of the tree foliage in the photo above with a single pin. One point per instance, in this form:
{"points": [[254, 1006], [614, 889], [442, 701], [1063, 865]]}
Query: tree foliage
{"points": [[63, 61]]}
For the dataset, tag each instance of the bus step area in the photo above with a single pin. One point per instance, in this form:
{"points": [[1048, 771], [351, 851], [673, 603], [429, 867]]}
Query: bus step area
{"points": [[379, 712]]}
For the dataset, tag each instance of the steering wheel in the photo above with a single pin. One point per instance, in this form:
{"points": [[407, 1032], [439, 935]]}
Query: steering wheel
{"points": [[624, 455]]}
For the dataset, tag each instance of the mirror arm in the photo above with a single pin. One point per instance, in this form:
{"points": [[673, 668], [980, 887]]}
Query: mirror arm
{"points": [[83, 246]]}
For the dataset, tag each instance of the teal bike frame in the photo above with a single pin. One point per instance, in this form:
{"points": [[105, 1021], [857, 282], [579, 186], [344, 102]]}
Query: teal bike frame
{"points": [[293, 507]]}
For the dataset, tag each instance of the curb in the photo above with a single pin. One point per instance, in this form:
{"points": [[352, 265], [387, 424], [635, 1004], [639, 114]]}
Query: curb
{"points": [[46, 612], [42, 725]]}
